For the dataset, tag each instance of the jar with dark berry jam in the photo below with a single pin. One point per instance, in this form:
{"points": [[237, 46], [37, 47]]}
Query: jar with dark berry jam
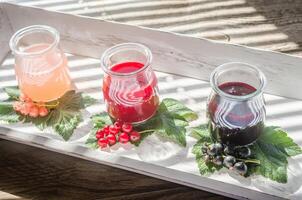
{"points": [[236, 106]]}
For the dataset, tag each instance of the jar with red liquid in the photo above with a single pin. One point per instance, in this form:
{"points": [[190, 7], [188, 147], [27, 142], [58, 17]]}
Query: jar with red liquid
{"points": [[236, 106], [129, 85]]}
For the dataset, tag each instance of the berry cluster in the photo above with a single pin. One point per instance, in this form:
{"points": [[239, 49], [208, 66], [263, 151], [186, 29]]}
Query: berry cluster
{"points": [[27, 107], [117, 132], [234, 158]]}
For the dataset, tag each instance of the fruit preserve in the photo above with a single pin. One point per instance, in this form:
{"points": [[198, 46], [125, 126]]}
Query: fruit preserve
{"points": [[236, 107], [129, 85]]}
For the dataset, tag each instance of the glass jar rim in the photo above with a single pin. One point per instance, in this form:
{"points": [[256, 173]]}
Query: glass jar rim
{"points": [[215, 86], [121, 47], [32, 29]]}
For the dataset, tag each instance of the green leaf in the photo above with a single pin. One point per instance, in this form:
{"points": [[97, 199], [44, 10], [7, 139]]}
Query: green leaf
{"points": [[92, 142], [204, 168], [7, 113], [13, 92], [201, 132], [177, 110], [170, 120], [88, 101], [273, 163], [100, 120], [272, 149], [64, 118], [279, 138]]}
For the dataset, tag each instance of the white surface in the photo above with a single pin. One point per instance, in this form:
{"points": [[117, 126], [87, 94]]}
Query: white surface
{"points": [[5, 33], [178, 165], [173, 53]]}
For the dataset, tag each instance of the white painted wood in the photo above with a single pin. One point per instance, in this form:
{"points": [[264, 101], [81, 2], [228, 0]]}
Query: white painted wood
{"points": [[5, 33], [136, 166], [173, 53], [180, 167]]}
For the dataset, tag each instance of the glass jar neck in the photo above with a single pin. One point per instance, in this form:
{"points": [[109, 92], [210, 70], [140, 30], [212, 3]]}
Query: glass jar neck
{"points": [[124, 53], [34, 41], [241, 75]]}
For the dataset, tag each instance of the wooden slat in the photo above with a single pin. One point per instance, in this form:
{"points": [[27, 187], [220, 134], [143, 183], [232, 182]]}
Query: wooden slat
{"points": [[28, 172], [173, 53]]}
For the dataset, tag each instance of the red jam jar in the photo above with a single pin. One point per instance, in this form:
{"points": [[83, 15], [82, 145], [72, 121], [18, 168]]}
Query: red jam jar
{"points": [[129, 85]]}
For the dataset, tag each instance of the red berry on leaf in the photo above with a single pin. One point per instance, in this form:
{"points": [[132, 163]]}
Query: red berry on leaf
{"points": [[17, 105], [113, 129], [99, 134], [24, 110], [103, 142], [111, 139], [24, 98], [106, 128], [118, 125], [34, 111], [127, 127], [123, 138], [135, 136], [43, 111]]}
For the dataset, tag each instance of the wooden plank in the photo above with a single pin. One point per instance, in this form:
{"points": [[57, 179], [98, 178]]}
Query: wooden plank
{"points": [[173, 53], [5, 33], [137, 166], [55, 176]]}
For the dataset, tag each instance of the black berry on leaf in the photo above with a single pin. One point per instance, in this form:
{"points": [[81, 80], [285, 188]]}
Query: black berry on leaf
{"points": [[243, 152], [240, 168], [229, 161], [218, 160]]}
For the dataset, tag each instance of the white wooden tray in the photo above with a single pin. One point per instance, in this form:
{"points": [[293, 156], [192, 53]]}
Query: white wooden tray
{"points": [[189, 62]]}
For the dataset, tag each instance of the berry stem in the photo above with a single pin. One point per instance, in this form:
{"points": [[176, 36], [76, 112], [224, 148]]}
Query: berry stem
{"points": [[147, 131], [247, 161], [250, 161], [52, 105]]}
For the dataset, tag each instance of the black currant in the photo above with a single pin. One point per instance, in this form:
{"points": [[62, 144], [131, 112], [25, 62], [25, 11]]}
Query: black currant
{"points": [[228, 150], [217, 160], [207, 159], [240, 168], [212, 150], [229, 161], [215, 149], [243, 152], [204, 149], [219, 148]]}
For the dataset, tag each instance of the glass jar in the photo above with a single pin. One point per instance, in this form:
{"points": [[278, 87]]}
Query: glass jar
{"points": [[236, 106], [40, 65], [129, 85]]}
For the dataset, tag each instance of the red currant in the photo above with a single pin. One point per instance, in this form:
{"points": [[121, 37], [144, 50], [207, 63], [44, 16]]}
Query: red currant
{"points": [[135, 136], [43, 111], [99, 134], [127, 127], [17, 105], [34, 111], [103, 142], [113, 129], [118, 125], [106, 127], [123, 138], [106, 131], [111, 139]]}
